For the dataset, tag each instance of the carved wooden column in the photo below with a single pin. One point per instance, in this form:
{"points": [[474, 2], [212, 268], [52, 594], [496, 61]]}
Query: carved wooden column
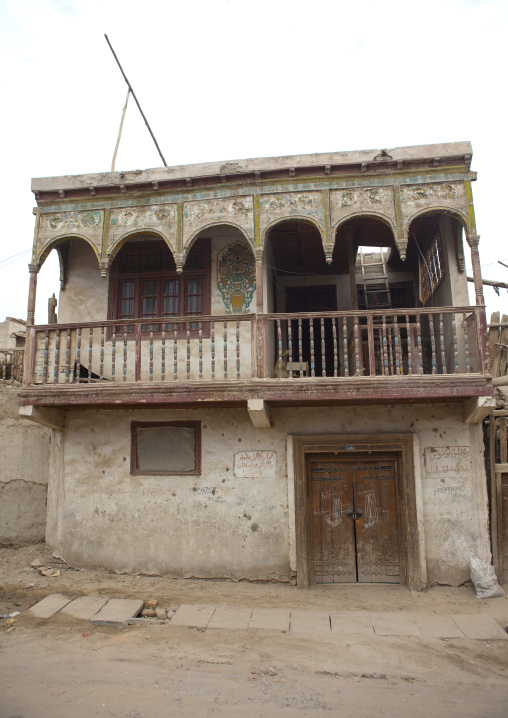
{"points": [[260, 333], [352, 267], [32, 291], [473, 240]]}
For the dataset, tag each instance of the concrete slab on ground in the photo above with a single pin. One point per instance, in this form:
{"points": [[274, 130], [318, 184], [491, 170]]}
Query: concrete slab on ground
{"points": [[50, 605], [270, 619], [193, 616], [117, 612], [84, 607], [434, 625], [310, 622], [230, 617], [393, 624], [352, 623], [479, 627]]}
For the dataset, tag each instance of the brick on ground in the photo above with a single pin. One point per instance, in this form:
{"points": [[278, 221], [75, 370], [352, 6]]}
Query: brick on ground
{"points": [[193, 616], [225, 617], [117, 612], [84, 607]]}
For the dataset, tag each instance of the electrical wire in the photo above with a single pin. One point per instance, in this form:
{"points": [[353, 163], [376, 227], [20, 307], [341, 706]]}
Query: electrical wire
{"points": [[14, 255]]}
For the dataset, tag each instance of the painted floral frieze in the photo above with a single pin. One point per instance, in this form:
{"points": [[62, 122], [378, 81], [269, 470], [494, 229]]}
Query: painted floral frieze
{"points": [[159, 218], [292, 204], [237, 211], [59, 224]]}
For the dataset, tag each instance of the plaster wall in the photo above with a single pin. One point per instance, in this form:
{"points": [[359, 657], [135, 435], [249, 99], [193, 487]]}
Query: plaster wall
{"points": [[24, 455], [85, 297], [223, 525]]}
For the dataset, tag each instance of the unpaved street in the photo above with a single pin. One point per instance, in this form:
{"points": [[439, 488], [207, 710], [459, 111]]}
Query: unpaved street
{"points": [[50, 669]]}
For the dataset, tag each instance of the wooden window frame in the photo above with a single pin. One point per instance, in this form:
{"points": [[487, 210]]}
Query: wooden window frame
{"points": [[117, 277], [135, 425]]}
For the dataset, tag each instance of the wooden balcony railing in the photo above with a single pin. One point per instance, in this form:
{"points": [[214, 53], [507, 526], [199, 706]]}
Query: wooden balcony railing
{"points": [[395, 343], [11, 365]]}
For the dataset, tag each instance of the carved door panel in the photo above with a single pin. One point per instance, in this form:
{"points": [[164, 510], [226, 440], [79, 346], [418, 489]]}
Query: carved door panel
{"points": [[333, 534], [353, 519]]}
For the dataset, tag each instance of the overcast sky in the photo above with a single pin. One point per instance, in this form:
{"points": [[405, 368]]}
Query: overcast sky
{"points": [[230, 79]]}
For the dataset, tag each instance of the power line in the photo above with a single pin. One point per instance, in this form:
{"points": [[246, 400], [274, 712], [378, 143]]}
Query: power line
{"points": [[14, 255]]}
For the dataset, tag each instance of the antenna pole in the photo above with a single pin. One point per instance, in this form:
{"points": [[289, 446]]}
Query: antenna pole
{"points": [[136, 99]]}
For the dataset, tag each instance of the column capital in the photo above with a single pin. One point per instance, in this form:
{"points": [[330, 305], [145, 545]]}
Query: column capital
{"points": [[473, 240], [104, 266], [33, 268]]}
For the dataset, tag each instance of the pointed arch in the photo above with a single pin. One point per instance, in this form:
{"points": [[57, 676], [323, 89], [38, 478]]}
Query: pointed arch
{"points": [[55, 241], [436, 210], [291, 218], [151, 233], [194, 236]]}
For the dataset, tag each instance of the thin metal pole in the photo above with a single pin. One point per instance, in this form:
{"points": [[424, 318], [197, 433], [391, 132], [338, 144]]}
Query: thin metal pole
{"points": [[120, 130], [136, 99]]}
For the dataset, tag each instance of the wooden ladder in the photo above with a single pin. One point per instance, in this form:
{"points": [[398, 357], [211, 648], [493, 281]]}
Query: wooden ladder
{"points": [[375, 279]]}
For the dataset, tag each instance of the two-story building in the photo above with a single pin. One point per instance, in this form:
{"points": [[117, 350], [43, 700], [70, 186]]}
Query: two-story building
{"points": [[266, 368]]}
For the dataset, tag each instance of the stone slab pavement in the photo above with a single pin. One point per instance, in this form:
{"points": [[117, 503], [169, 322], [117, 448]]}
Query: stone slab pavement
{"points": [[84, 607], [50, 605], [117, 612]]}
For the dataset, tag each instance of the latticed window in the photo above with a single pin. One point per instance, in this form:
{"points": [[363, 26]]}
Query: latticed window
{"points": [[145, 285]]}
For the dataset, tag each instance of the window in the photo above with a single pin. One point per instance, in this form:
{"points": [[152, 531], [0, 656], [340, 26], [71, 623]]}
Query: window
{"points": [[144, 284], [166, 448]]}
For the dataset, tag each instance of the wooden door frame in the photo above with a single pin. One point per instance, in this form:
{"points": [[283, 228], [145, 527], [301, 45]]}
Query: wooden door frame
{"points": [[399, 444]]}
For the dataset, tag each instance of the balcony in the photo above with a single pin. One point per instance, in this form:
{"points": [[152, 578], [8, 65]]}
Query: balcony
{"points": [[318, 358]]}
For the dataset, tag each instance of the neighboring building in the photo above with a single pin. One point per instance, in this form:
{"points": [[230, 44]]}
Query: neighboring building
{"points": [[266, 369]]}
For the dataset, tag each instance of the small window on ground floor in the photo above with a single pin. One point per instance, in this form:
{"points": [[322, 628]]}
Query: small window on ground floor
{"points": [[162, 448]]}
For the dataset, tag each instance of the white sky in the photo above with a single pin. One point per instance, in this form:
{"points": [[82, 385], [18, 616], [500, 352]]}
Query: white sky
{"points": [[230, 79]]}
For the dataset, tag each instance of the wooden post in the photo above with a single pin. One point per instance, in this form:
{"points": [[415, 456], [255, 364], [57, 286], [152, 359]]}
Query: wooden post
{"points": [[31, 338], [261, 334], [32, 292], [473, 240], [352, 267]]}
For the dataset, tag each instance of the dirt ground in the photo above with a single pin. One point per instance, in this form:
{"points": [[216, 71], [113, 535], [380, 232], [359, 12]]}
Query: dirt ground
{"points": [[64, 667]]}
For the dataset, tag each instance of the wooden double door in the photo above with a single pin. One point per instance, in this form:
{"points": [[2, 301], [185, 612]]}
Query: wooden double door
{"points": [[352, 518]]}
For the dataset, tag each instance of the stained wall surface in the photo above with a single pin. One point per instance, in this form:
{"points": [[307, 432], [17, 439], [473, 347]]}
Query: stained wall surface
{"points": [[24, 458], [229, 523]]}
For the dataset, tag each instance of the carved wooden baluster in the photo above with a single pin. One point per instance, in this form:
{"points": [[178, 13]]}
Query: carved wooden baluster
{"points": [[212, 338], [300, 350], [357, 347], [345, 346], [432, 343], [455, 344], [200, 349], [163, 355], [237, 349], [113, 354], [57, 356], [175, 352], [101, 358], [323, 349], [124, 377], [188, 351], [225, 350], [279, 341], [46, 358], [391, 366], [67, 355], [312, 361], [335, 357], [290, 350], [150, 363], [409, 346], [419, 343], [90, 349], [384, 342], [466, 342], [441, 340], [396, 337], [78, 355]]}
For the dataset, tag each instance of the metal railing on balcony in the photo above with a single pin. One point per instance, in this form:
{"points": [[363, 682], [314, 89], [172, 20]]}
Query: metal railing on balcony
{"points": [[341, 345]]}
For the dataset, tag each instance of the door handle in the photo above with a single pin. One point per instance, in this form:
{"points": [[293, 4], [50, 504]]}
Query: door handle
{"points": [[354, 514]]}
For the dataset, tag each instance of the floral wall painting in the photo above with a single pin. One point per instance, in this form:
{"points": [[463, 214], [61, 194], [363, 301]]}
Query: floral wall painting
{"points": [[236, 278]]}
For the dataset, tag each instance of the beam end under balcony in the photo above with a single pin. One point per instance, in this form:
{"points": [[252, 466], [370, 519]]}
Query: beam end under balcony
{"points": [[52, 418], [477, 408], [259, 413]]}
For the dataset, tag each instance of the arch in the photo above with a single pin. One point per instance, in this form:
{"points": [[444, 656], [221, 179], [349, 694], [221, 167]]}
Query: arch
{"points": [[376, 215], [193, 237], [43, 255], [133, 233], [437, 210], [292, 218]]}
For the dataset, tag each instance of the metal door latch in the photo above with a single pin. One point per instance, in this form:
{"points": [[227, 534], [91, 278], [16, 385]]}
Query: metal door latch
{"points": [[354, 514]]}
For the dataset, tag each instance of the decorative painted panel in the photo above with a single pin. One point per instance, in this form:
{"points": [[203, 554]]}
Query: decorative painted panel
{"points": [[88, 224], [285, 205], [378, 200], [160, 218], [238, 211], [236, 277], [415, 197]]}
